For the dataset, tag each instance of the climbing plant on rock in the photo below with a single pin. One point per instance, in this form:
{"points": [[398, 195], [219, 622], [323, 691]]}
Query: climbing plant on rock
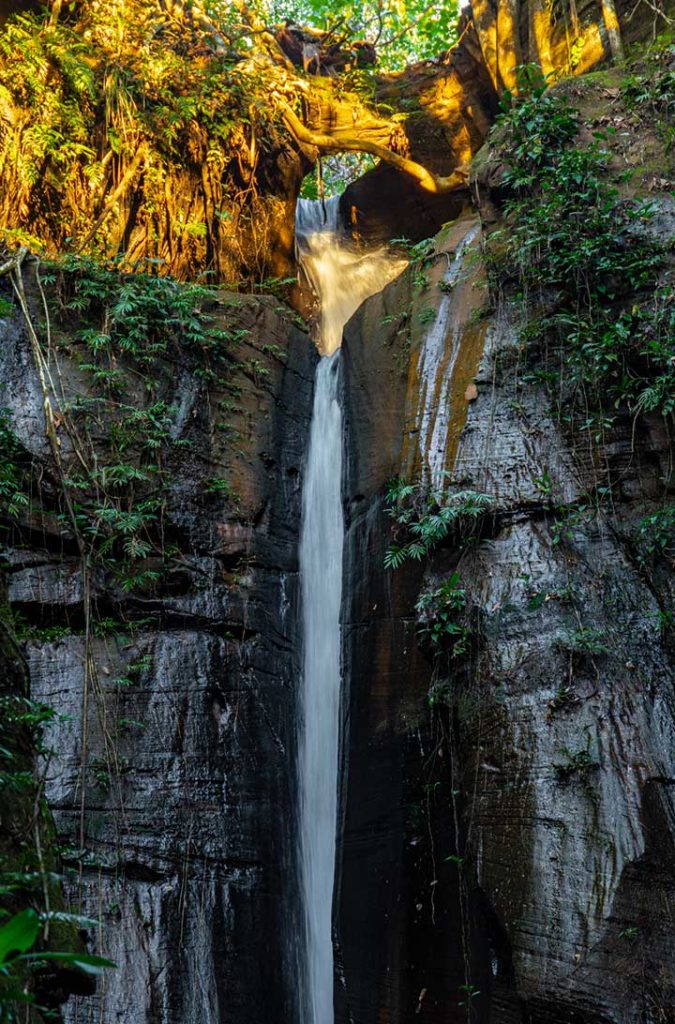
{"points": [[588, 266]]}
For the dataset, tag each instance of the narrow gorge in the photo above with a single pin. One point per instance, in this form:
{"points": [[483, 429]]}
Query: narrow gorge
{"points": [[336, 500]]}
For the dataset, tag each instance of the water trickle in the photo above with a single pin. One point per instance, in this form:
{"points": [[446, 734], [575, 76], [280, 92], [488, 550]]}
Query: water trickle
{"points": [[436, 365], [341, 279]]}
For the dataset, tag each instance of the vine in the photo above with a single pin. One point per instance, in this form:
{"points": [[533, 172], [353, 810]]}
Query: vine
{"points": [[105, 481]]}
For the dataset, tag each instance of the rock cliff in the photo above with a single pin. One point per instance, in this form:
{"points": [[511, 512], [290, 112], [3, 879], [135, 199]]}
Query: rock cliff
{"points": [[502, 811], [171, 767], [507, 826]]}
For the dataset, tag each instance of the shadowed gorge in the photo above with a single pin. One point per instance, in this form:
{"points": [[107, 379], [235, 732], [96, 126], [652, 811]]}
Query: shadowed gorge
{"points": [[337, 519]]}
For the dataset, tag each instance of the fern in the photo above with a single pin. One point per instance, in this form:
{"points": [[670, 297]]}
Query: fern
{"points": [[426, 518]]}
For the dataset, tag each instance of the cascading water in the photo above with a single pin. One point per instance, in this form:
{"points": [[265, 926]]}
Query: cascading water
{"points": [[341, 279], [321, 575], [436, 366]]}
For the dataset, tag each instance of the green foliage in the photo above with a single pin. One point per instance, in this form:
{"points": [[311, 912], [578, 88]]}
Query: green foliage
{"points": [[21, 959], [180, 109], [333, 172], [24, 952], [468, 992], [440, 611], [425, 518], [577, 251], [655, 535], [533, 124], [104, 771], [97, 105], [18, 935], [137, 315], [13, 496], [404, 30], [130, 332], [21, 713], [565, 698], [651, 89], [21, 722], [578, 763], [586, 640]]}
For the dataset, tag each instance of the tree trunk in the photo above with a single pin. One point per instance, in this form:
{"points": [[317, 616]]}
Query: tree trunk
{"points": [[611, 19]]}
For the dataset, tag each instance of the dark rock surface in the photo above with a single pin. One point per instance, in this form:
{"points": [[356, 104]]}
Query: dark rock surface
{"points": [[512, 848], [172, 773], [401, 952], [557, 759]]}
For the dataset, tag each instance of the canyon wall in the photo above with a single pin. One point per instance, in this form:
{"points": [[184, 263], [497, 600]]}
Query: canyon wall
{"points": [[507, 840], [509, 835], [171, 765]]}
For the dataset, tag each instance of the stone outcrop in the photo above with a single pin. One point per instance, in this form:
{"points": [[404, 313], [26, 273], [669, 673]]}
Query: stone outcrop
{"points": [[511, 846]]}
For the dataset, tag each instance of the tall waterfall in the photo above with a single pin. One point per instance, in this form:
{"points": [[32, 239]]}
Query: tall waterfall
{"points": [[341, 278], [321, 576]]}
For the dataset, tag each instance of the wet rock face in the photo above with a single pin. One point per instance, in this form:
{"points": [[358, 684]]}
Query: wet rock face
{"points": [[400, 949], [556, 747], [172, 773], [570, 737]]}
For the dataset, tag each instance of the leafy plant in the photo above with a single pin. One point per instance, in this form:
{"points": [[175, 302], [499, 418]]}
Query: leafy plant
{"points": [[468, 992], [424, 518], [579, 762], [652, 89], [20, 959], [13, 496], [565, 698], [586, 640], [655, 535], [440, 610], [577, 250], [104, 771], [533, 124], [24, 949], [128, 327]]}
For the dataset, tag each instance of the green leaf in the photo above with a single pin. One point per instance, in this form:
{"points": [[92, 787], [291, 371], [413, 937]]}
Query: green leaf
{"points": [[19, 934], [85, 961]]}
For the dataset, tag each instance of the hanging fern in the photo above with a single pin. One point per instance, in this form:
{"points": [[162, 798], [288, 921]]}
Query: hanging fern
{"points": [[425, 518]]}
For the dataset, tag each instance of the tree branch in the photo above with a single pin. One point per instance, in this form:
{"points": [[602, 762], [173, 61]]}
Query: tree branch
{"points": [[424, 178]]}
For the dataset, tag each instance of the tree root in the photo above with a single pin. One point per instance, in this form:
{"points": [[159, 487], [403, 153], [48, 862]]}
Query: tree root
{"points": [[425, 179]]}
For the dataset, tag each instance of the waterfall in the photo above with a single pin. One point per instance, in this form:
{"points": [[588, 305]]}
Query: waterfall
{"points": [[321, 576], [341, 278]]}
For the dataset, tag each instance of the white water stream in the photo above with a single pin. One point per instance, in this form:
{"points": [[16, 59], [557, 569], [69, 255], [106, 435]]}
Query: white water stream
{"points": [[341, 278]]}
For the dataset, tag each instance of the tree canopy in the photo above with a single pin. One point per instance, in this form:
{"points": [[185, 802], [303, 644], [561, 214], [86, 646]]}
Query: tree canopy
{"points": [[403, 30], [180, 131]]}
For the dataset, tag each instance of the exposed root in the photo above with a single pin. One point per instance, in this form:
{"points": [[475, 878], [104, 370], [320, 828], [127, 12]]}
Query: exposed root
{"points": [[424, 178]]}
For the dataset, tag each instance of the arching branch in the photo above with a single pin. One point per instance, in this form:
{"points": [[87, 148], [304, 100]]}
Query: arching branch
{"points": [[424, 178]]}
